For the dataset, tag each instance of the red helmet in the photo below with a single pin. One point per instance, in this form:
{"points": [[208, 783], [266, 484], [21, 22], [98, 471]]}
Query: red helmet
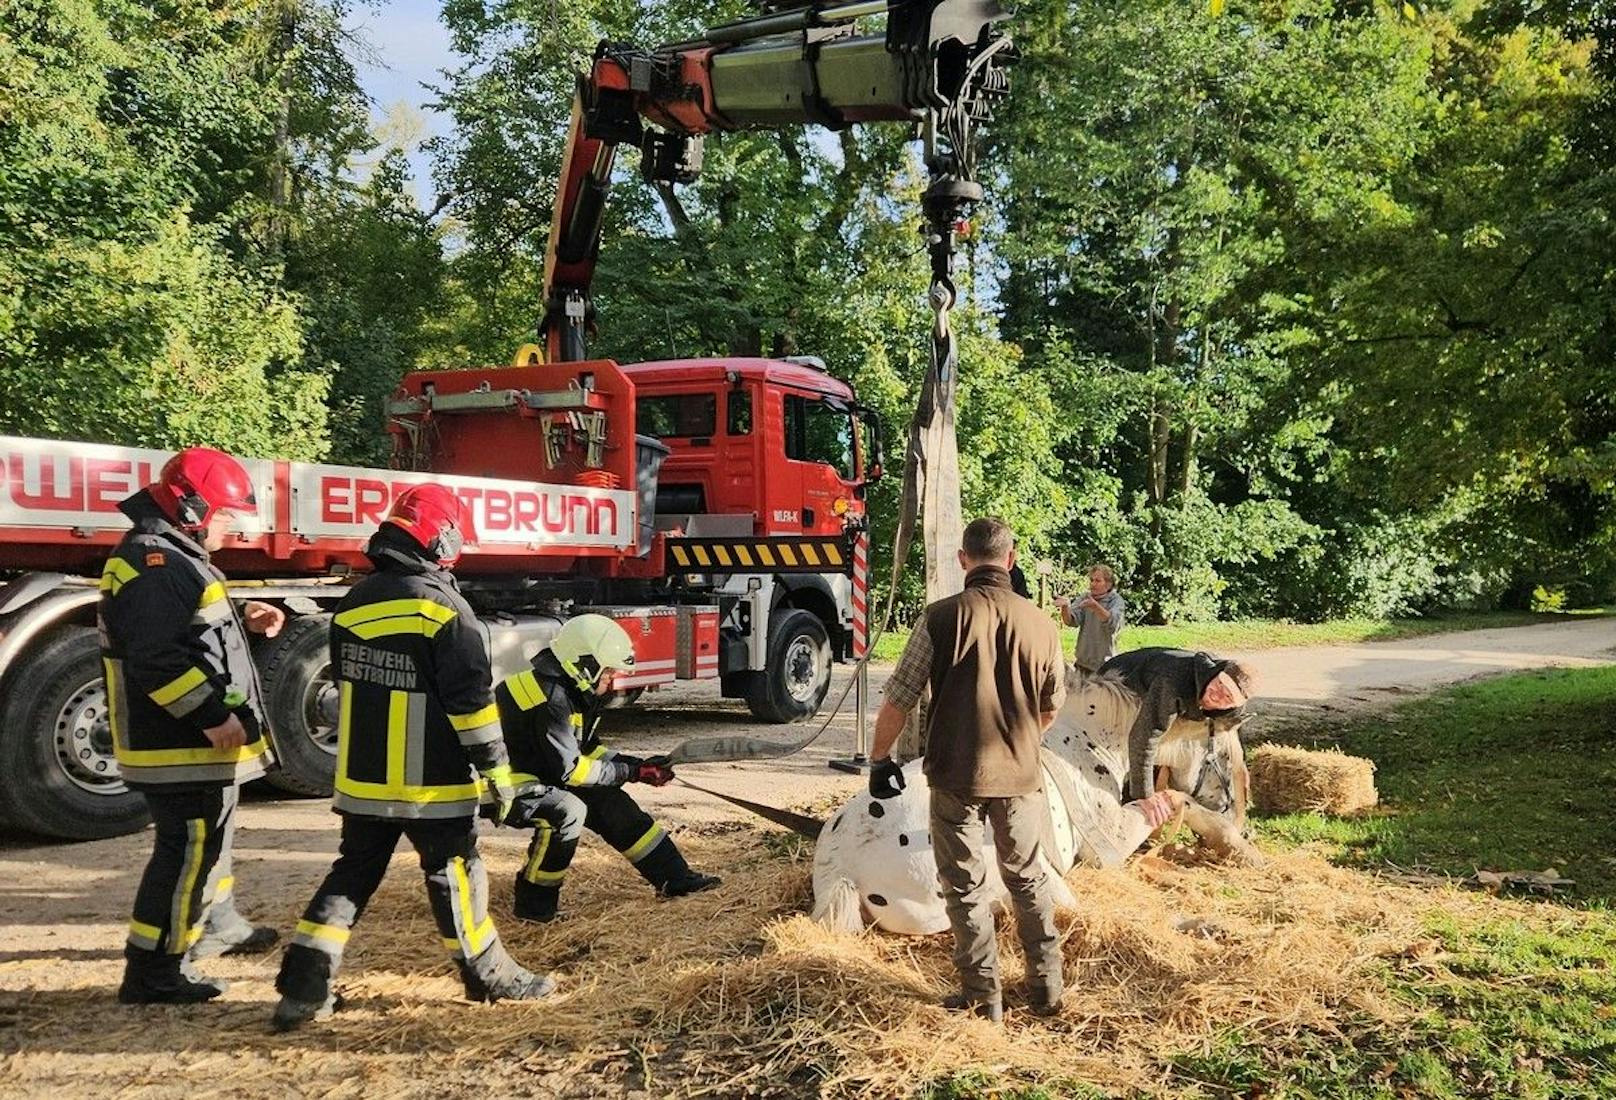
{"points": [[199, 481], [436, 518]]}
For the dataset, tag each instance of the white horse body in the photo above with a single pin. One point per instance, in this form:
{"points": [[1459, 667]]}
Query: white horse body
{"points": [[874, 859]]}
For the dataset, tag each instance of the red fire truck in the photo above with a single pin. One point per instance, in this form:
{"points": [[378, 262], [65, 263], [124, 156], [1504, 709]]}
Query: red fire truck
{"points": [[709, 505]]}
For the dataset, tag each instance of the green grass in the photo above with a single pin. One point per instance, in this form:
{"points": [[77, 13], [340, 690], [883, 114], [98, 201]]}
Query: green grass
{"points": [[1510, 773], [1513, 1011], [1513, 773], [1249, 634]]}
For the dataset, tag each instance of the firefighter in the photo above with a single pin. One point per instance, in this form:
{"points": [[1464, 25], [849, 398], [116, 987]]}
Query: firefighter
{"points": [[418, 743], [186, 714], [550, 712]]}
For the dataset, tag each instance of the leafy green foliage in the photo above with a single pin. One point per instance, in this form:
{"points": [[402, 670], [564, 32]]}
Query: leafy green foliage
{"points": [[185, 255]]}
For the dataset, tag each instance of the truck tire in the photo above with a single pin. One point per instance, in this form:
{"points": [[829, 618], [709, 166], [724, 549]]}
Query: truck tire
{"points": [[797, 676], [58, 776], [301, 700]]}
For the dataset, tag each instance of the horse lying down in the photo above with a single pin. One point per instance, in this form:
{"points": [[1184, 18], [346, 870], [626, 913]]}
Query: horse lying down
{"points": [[874, 861]]}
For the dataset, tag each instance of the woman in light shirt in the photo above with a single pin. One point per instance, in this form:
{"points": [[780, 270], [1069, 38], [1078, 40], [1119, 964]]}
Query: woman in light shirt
{"points": [[1098, 618]]}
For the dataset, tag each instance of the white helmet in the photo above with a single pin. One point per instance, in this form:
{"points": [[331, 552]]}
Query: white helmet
{"points": [[588, 645]]}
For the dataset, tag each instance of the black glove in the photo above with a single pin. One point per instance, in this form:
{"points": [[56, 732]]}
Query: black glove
{"points": [[886, 778]]}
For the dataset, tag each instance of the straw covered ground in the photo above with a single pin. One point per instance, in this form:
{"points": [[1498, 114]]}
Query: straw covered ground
{"points": [[735, 993]]}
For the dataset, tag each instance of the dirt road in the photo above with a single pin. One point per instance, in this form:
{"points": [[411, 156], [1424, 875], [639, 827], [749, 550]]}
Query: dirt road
{"points": [[63, 907]]}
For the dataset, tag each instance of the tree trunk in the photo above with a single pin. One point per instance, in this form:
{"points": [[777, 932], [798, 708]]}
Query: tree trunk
{"points": [[279, 183]]}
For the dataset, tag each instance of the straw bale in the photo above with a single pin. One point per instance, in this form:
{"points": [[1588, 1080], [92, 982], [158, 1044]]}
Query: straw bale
{"points": [[1286, 779]]}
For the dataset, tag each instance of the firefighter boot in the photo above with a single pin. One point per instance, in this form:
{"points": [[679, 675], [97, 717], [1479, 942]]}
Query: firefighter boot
{"points": [[291, 1013], [664, 867], [157, 978], [536, 901], [495, 976], [227, 932]]}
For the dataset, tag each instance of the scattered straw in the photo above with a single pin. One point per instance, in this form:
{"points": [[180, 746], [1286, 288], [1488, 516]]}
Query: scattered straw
{"points": [[1286, 780], [736, 993]]}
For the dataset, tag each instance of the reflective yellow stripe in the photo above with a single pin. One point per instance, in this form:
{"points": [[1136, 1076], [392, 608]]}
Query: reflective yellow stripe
{"points": [[161, 758], [765, 555], [723, 555], [525, 690], [543, 833], [486, 716], [645, 843], [744, 554], [383, 628], [222, 891], [327, 932], [147, 932], [580, 772], [833, 553], [786, 556], [701, 556], [387, 792], [115, 574], [809, 554], [178, 686], [388, 609], [113, 672], [398, 714], [198, 830], [546, 878], [680, 556], [476, 934], [344, 724], [212, 594]]}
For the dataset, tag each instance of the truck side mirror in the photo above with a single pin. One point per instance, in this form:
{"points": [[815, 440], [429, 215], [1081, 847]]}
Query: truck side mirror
{"points": [[876, 458]]}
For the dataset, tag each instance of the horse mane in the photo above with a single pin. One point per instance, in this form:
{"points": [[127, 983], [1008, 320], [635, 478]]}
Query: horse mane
{"points": [[1110, 688], [1109, 682]]}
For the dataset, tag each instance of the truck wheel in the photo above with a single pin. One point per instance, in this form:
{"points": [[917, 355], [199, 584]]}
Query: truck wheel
{"points": [[301, 699], [798, 673], [58, 775]]}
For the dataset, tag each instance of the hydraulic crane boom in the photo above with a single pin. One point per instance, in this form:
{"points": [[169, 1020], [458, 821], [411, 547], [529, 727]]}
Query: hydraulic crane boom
{"points": [[938, 64]]}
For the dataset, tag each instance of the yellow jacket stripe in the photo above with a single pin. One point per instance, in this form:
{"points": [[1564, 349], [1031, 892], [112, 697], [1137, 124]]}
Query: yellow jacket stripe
{"points": [[525, 690], [177, 688], [477, 728], [115, 574], [386, 609]]}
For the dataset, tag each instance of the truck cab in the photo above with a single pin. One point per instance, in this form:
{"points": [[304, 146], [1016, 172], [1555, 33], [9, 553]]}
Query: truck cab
{"points": [[778, 441], [780, 451]]}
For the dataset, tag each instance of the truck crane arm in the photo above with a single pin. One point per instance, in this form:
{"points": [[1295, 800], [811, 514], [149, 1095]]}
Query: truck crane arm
{"points": [[937, 64]]}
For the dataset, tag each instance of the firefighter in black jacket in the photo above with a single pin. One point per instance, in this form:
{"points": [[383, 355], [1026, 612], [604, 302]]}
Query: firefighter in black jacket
{"points": [[418, 743], [186, 714], [549, 713]]}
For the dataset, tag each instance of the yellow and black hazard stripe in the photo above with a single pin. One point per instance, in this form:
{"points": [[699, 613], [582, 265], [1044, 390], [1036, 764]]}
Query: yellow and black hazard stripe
{"points": [[755, 555]]}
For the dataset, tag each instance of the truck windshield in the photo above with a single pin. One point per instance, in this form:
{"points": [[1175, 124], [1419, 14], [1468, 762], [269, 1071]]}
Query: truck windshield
{"points": [[677, 416], [815, 432]]}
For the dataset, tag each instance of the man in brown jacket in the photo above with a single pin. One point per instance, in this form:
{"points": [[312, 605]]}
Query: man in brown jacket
{"points": [[993, 662]]}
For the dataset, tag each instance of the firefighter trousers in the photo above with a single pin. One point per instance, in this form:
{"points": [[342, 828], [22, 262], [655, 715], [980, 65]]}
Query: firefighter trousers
{"points": [[559, 816], [456, 887], [193, 830]]}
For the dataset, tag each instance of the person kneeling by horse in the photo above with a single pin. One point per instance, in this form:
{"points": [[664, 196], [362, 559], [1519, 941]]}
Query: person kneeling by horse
{"points": [[549, 713]]}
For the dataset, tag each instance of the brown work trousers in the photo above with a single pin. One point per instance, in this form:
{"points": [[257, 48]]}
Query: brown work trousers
{"points": [[1018, 829]]}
